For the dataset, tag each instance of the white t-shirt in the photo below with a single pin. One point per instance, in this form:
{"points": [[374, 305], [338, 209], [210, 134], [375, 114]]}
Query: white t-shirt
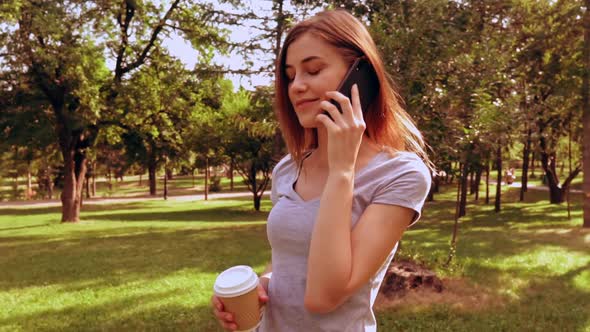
{"points": [[402, 180]]}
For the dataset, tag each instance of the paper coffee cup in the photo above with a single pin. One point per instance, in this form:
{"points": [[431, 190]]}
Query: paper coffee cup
{"points": [[237, 289]]}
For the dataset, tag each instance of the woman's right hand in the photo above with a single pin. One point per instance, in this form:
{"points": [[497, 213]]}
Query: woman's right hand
{"points": [[226, 319]]}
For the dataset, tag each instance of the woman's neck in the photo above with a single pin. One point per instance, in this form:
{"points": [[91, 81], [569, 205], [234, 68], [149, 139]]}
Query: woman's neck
{"points": [[319, 157]]}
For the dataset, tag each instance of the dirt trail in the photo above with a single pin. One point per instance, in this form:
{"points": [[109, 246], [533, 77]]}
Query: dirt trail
{"points": [[178, 196]]}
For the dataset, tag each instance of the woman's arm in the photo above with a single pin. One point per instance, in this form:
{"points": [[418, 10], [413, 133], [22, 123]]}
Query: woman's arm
{"points": [[341, 261]]}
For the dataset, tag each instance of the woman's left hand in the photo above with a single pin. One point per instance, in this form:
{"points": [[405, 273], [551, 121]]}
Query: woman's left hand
{"points": [[345, 132]]}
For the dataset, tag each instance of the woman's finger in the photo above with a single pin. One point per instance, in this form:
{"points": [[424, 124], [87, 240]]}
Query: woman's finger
{"points": [[344, 102], [328, 123], [229, 326], [334, 113], [262, 295], [217, 303], [224, 316], [357, 110]]}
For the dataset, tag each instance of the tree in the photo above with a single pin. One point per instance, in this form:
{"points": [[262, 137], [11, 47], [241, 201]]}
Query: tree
{"points": [[586, 111], [24, 131], [249, 138], [58, 47], [160, 99], [546, 58]]}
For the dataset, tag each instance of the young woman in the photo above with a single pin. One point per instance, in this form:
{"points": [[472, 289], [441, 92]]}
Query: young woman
{"points": [[350, 186]]}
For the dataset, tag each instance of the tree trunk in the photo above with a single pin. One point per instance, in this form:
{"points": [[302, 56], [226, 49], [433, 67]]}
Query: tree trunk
{"points": [[497, 206], [109, 179], [74, 175], [477, 181], [586, 114], [166, 184], [254, 187], [463, 182], [15, 178], [569, 158], [525, 164], [231, 174], [434, 188], [94, 179], [549, 166], [49, 183], [487, 182], [556, 193], [453, 249], [29, 181], [152, 165], [533, 165], [206, 178]]}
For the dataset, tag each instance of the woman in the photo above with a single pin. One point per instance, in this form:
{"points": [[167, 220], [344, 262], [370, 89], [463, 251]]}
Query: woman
{"points": [[351, 185]]}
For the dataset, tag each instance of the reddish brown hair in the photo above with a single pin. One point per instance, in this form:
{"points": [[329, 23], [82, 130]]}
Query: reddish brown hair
{"points": [[388, 124]]}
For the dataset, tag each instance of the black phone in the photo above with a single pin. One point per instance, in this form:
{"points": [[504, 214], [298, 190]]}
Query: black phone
{"points": [[363, 75]]}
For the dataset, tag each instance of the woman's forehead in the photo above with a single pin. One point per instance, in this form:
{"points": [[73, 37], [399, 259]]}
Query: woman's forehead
{"points": [[308, 48]]}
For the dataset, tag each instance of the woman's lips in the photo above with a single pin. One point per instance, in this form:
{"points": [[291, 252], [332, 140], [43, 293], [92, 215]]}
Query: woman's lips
{"points": [[306, 103]]}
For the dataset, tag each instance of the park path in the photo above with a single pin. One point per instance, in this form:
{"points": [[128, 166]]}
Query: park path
{"points": [[126, 199], [543, 188], [180, 196]]}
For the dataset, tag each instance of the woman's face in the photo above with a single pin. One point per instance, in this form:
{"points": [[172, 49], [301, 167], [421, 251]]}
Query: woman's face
{"points": [[312, 67]]}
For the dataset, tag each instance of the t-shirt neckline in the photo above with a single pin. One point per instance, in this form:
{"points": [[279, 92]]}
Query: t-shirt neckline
{"points": [[317, 199]]}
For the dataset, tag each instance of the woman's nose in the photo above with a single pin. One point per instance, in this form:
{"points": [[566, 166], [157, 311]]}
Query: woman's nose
{"points": [[298, 84]]}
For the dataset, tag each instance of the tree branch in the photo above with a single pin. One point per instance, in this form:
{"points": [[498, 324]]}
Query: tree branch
{"points": [[129, 13], [571, 177], [153, 38]]}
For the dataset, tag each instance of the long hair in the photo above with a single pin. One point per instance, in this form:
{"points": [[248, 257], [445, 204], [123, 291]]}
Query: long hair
{"points": [[387, 123]]}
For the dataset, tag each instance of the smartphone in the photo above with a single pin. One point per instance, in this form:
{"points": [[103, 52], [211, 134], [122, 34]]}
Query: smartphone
{"points": [[363, 75]]}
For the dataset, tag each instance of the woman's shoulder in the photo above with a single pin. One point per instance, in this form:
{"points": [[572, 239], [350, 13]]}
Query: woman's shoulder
{"points": [[283, 166], [398, 167], [404, 161]]}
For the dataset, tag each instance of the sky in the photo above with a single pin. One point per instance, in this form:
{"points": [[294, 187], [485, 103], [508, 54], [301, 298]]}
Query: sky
{"points": [[184, 51]]}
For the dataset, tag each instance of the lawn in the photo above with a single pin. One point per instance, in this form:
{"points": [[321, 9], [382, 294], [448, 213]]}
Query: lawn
{"points": [[151, 266]]}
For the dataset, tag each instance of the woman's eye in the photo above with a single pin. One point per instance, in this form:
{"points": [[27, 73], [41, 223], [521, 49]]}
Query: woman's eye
{"points": [[314, 72]]}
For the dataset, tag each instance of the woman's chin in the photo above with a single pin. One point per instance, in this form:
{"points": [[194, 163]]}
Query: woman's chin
{"points": [[309, 121]]}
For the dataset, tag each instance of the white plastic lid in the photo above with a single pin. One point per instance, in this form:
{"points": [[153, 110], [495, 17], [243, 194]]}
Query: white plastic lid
{"points": [[235, 281]]}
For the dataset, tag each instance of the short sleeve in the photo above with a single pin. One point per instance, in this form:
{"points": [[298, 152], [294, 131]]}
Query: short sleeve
{"points": [[407, 186], [276, 174]]}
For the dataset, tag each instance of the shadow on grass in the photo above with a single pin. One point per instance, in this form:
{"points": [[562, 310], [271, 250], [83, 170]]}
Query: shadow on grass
{"points": [[127, 255], [483, 234], [2, 229], [209, 214], [57, 209], [544, 304]]}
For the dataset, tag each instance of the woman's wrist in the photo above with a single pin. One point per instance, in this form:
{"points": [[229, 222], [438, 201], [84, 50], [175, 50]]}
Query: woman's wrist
{"points": [[264, 280]]}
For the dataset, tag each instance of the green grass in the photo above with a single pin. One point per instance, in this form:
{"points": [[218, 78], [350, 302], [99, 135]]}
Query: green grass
{"points": [[151, 265]]}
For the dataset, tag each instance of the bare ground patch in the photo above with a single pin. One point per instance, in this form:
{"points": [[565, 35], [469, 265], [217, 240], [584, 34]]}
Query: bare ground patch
{"points": [[457, 293]]}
